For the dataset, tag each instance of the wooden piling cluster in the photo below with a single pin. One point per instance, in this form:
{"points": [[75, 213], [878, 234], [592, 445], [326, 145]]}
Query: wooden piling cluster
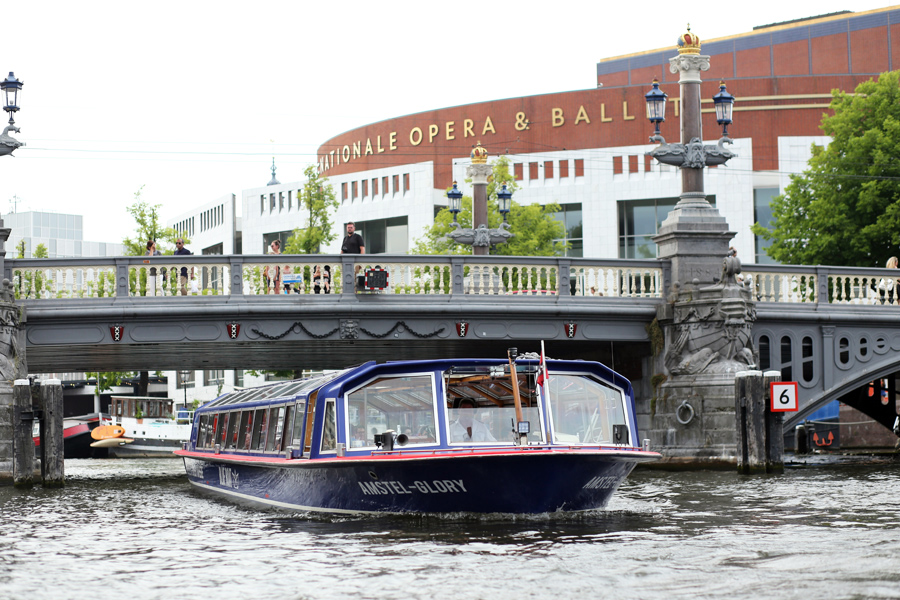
{"points": [[50, 412], [759, 437]]}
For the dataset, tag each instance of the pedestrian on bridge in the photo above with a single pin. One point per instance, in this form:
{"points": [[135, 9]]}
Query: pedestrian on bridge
{"points": [[151, 279], [273, 284], [180, 250]]}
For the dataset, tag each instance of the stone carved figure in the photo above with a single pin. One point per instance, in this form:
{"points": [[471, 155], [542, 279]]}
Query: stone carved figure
{"points": [[9, 333], [349, 329]]}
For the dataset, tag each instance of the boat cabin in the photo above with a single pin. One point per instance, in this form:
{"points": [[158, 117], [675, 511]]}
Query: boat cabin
{"points": [[422, 405]]}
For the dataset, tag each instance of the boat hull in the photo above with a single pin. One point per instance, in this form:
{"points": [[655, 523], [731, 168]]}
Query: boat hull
{"points": [[509, 481]]}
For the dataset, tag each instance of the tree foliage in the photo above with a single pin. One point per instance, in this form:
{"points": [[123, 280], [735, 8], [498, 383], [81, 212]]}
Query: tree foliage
{"points": [[148, 227], [534, 225], [106, 380], [845, 208], [318, 200]]}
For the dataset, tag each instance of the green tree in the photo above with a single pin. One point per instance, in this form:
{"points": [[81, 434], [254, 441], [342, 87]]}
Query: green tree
{"points": [[148, 227], [845, 208], [20, 249], [106, 380], [318, 199], [534, 225], [40, 251]]}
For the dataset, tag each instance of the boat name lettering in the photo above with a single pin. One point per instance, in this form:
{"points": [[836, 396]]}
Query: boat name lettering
{"points": [[601, 483], [227, 477], [437, 486]]}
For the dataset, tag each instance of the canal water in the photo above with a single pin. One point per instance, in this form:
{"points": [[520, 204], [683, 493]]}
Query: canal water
{"points": [[132, 529]]}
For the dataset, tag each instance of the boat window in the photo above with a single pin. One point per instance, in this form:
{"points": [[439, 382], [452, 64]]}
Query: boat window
{"points": [[223, 438], [310, 418], [216, 429], [232, 437], [203, 431], [286, 440], [245, 431], [276, 423], [329, 432], [404, 404], [481, 407], [584, 410], [298, 425], [259, 429]]}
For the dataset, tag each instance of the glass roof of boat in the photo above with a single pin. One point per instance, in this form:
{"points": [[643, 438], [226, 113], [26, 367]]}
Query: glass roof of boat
{"points": [[284, 389]]}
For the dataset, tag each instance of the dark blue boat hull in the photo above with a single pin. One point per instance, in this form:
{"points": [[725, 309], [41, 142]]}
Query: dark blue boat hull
{"points": [[503, 482]]}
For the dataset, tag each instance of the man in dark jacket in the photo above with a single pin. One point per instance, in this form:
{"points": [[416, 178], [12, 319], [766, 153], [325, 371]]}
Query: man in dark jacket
{"points": [[181, 250]]}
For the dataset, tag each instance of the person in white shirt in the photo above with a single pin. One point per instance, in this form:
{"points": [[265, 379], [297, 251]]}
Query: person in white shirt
{"points": [[466, 428]]}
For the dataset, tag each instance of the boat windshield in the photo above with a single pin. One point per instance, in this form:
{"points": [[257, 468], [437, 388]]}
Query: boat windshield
{"points": [[584, 410], [403, 403], [481, 407]]}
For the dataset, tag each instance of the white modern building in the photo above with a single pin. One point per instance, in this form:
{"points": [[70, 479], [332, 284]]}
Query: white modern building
{"points": [[62, 235]]}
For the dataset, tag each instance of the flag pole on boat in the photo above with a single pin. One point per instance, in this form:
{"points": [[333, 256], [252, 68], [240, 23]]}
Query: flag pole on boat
{"points": [[522, 427]]}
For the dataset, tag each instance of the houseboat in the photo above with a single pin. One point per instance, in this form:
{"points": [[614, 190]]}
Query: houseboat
{"points": [[457, 435], [153, 427]]}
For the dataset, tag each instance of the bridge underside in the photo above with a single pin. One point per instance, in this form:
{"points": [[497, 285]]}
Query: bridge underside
{"points": [[625, 357]]}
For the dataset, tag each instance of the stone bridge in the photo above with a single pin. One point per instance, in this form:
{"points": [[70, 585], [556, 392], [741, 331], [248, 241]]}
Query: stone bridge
{"points": [[828, 328]]}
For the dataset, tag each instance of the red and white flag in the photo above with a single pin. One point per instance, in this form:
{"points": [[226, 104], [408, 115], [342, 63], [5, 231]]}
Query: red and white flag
{"points": [[543, 376]]}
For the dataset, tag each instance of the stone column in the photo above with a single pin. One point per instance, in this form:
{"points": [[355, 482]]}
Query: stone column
{"points": [[479, 171], [12, 366], [709, 312]]}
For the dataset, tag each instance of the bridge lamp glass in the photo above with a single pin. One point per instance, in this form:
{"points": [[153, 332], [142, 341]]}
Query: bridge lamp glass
{"points": [[656, 105], [724, 105], [504, 199], [455, 197], [12, 91]]}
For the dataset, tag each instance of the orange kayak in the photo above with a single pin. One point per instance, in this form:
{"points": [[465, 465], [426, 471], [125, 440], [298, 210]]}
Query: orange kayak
{"points": [[104, 432]]}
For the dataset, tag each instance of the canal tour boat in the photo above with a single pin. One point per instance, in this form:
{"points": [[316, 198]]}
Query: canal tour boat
{"points": [[432, 436], [143, 427]]}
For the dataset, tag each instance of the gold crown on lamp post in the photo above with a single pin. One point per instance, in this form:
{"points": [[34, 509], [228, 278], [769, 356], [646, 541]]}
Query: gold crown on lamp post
{"points": [[688, 43], [479, 155]]}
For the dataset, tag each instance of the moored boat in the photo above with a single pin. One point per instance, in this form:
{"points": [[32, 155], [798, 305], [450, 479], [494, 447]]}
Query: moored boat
{"points": [[76, 436], [153, 427], [471, 435]]}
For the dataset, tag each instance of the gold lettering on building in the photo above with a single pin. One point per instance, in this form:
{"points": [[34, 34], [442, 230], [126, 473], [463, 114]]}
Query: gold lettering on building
{"points": [[331, 162], [448, 130], [603, 117], [345, 153], [368, 146], [556, 117], [625, 115], [521, 122], [467, 128], [488, 126], [378, 142], [677, 102], [432, 131], [357, 149], [393, 140], [415, 136], [582, 116]]}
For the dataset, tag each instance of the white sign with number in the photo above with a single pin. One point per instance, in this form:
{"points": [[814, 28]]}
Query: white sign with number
{"points": [[784, 396]]}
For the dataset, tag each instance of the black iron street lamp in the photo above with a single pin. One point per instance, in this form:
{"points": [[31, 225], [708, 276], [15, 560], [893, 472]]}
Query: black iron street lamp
{"points": [[504, 199], [184, 379], [12, 92]]}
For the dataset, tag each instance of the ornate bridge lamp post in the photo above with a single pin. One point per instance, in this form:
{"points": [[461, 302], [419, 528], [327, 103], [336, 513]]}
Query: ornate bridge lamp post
{"points": [[480, 238], [707, 321], [12, 89]]}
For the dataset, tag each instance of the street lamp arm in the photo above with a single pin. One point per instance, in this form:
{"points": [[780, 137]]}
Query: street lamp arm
{"points": [[8, 143]]}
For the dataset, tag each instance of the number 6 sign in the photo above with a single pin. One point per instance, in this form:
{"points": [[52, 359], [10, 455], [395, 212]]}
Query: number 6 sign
{"points": [[784, 396]]}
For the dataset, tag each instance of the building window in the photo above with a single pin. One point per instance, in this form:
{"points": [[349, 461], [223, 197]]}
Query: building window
{"points": [[406, 182], [762, 214], [353, 187], [648, 163], [262, 204], [532, 171], [290, 200], [184, 379], [564, 169], [214, 377], [517, 171], [579, 167], [344, 191], [365, 188], [639, 221], [633, 163], [396, 183], [280, 200], [382, 236], [384, 185], [617, 165], [570, 217], [548, 169], [272, 201], [374, 186]]}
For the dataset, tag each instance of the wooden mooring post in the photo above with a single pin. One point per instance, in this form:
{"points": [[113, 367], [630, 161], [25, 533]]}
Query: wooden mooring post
{"points": [[758, 435], [23, 434], [53, 471]]}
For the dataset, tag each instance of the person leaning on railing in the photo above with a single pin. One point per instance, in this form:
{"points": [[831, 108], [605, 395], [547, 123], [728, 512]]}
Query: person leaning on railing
{"points": [[180, 250]]}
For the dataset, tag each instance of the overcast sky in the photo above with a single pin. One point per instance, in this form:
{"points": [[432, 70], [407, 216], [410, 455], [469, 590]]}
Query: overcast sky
{"points": [[191, 99]]}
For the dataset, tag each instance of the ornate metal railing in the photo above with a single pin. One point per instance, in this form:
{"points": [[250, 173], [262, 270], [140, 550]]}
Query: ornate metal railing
{"points": [[266, 275]]}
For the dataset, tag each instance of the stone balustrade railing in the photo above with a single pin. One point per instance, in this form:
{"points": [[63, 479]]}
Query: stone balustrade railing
{"points": [[832, 285], [257, 275]]}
